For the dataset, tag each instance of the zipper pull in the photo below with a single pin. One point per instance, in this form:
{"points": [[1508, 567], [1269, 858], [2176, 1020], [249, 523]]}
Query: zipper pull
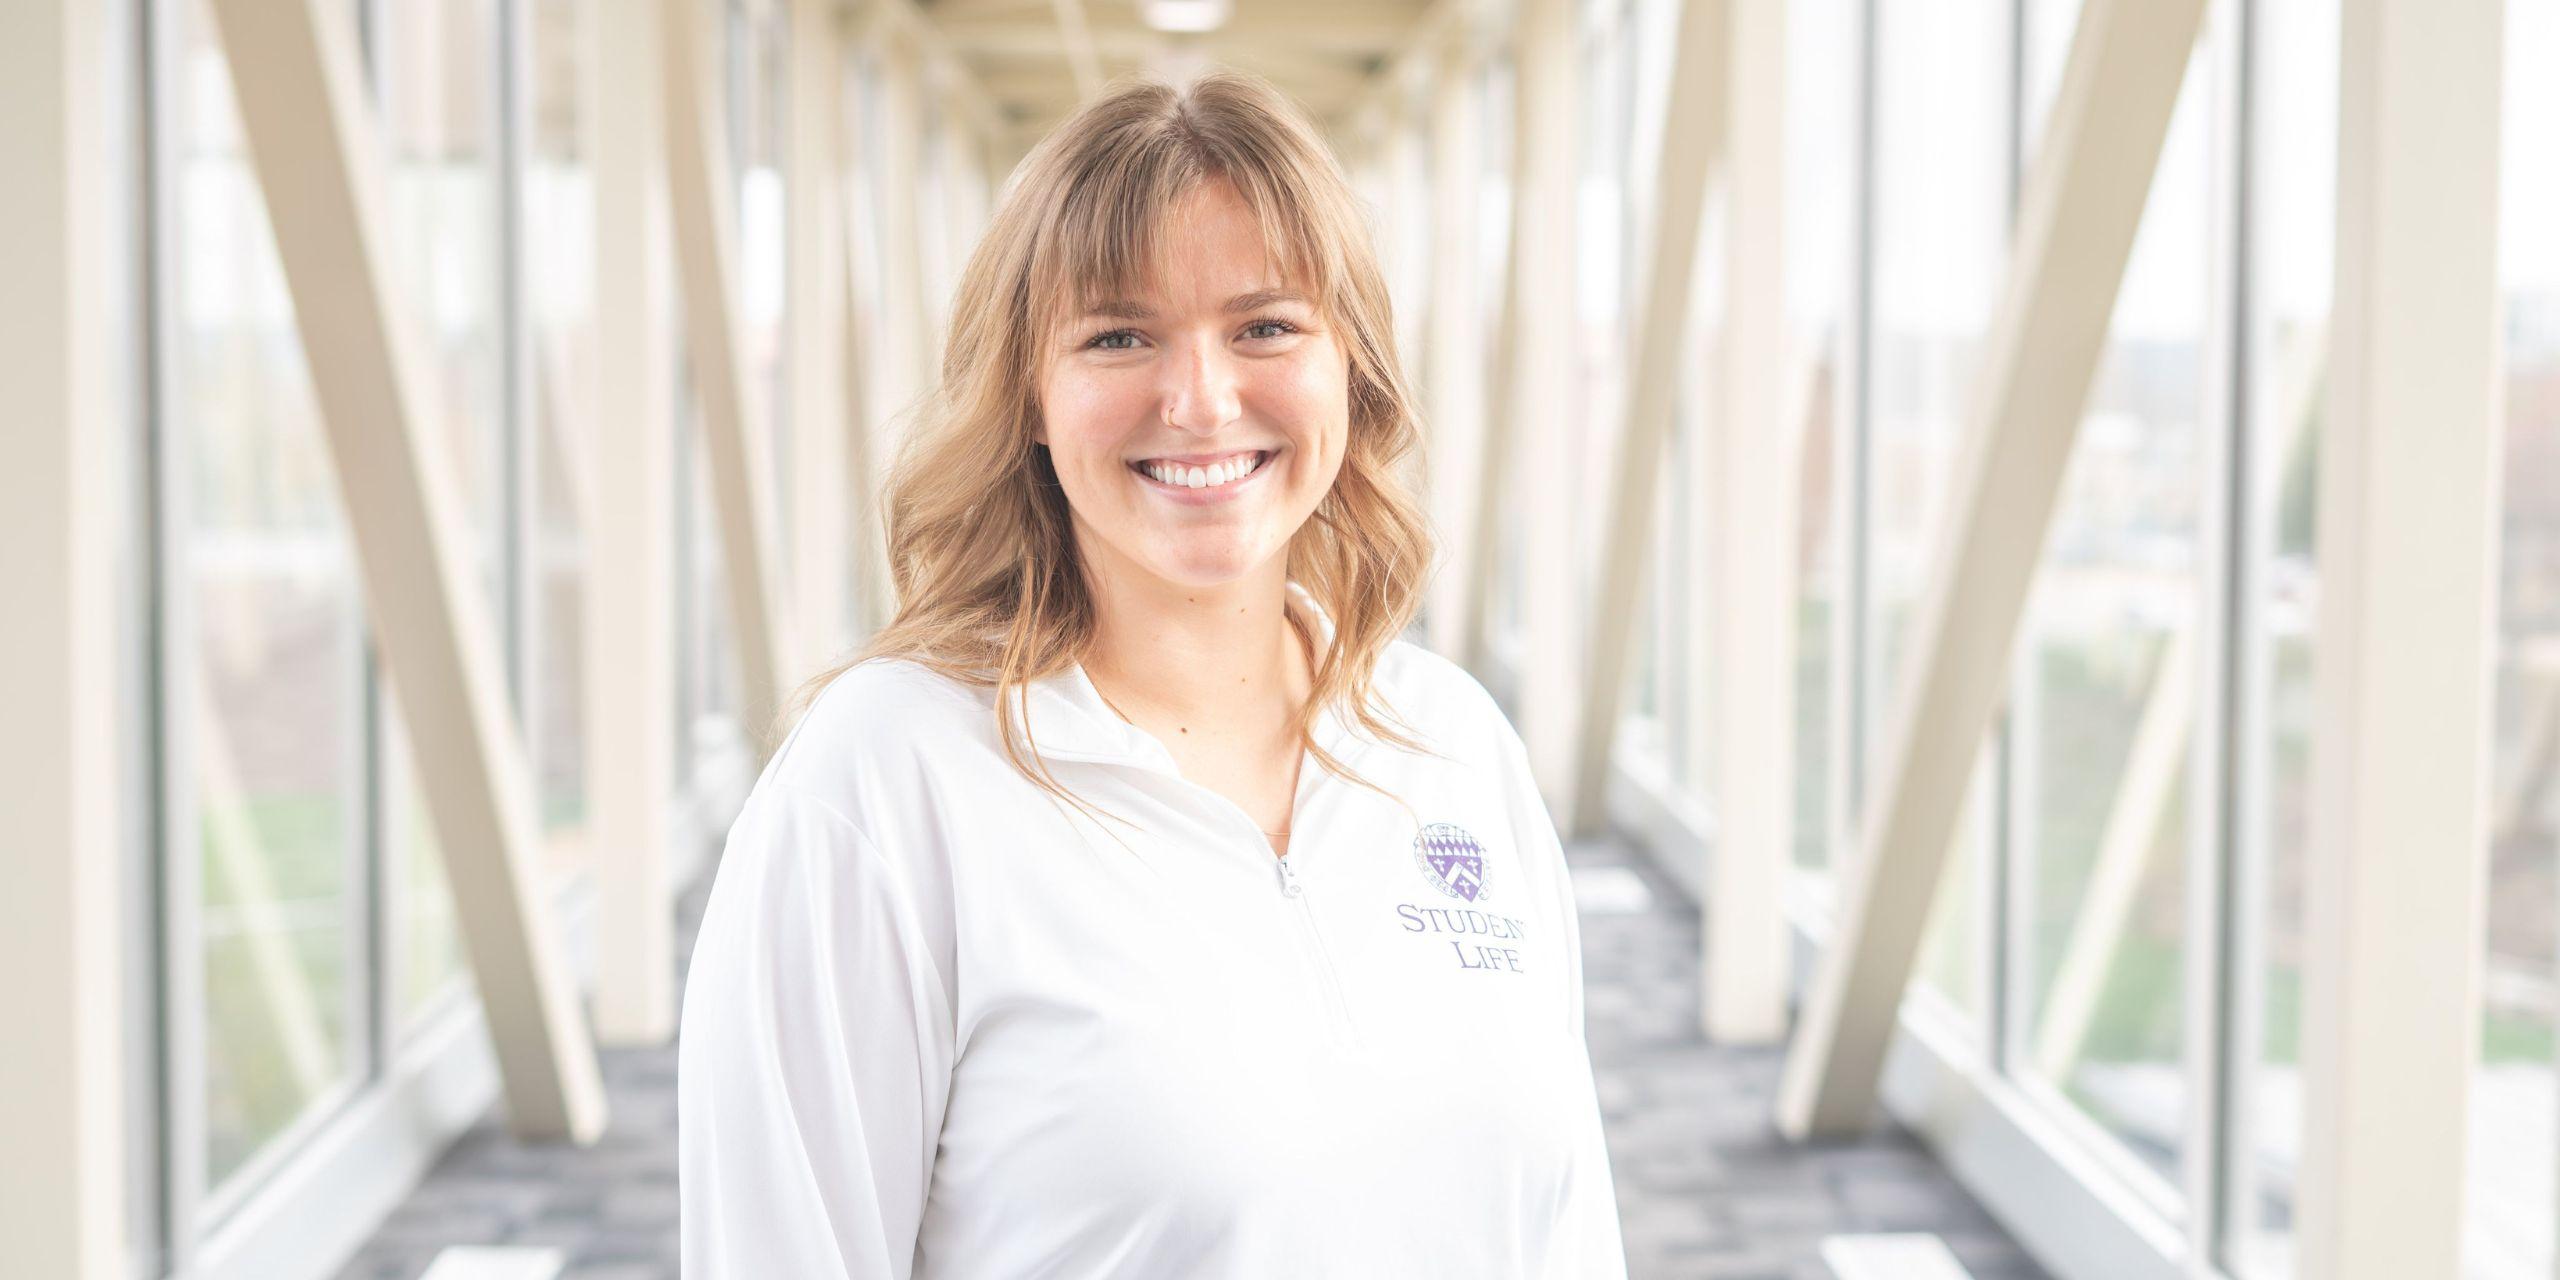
{"points": [[1289, 886]]}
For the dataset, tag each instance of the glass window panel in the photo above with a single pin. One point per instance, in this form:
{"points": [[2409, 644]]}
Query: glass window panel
{"points": [[1603, 221], [559, 231], [2515, 1135], [934, 250], [1413, 227], [1941, 225], [2291, 247], [1823, 95], [2044, 44], [426, 958], [1939, 251], [1493, 260], [2105, 712], [438, 100], [759, 99], [266, 687], [1951, 958], [711, 732]]}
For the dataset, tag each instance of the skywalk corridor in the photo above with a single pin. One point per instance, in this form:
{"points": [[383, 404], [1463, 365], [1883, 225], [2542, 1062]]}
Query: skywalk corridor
{"points": [[2020, 539], [1707, 1190]]}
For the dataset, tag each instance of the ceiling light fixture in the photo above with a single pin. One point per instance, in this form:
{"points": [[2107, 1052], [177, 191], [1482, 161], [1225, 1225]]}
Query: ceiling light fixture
{"points": [[1188, 17]]}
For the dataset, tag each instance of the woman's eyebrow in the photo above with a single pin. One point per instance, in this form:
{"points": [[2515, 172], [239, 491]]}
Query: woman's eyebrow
{"points": [[1260, 298], [1121, 309]]}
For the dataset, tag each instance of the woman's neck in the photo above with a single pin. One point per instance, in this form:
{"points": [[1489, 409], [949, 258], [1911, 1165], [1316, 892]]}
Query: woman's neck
{"points": [[1223, 660]]}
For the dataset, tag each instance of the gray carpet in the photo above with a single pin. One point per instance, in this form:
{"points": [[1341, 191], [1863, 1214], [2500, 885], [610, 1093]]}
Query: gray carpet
{"points": [[1706, 1187]]}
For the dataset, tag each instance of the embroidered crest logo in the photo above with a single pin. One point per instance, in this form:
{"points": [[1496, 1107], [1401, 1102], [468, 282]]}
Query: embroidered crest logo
{"points": [[1452, 860]]}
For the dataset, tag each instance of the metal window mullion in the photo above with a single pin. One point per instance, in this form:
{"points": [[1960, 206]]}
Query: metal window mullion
{"points": [[1855, 652], [2017, 749], [147, 907], [2015, 744], [370, 896], [518, 528], [2247, 719], [374, 892], [2014, 151], [373, 31], [688, 642], [2214, 744], [177, 886]]}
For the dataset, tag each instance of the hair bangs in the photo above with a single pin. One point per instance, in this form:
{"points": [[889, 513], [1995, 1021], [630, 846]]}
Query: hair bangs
{"points": [[1108, 241]]}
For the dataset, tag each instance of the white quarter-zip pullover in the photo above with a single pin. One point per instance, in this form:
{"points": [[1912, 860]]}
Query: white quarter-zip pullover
{"points": [[938, 1025]]}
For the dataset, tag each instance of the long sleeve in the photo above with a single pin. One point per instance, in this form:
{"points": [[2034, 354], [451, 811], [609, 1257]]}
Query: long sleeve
{"points": [[1589, 1243], [816, 1054]]}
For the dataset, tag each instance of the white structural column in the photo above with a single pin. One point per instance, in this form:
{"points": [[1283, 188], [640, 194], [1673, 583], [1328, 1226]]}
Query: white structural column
{"points": [[62, 1080], [1538, 416], [630, 650], [1693, 134], [1755, 448], [2077, 215], [702, 193], [815, 313], [1453, 353], [2409, 460], [907, 346], [316, 150]]}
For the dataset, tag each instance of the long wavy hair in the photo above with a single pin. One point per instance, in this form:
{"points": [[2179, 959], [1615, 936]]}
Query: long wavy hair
{"points": [[981, 550]]}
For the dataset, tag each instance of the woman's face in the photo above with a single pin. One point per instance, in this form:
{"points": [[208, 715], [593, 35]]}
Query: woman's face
{"points": [[1196, 426]]}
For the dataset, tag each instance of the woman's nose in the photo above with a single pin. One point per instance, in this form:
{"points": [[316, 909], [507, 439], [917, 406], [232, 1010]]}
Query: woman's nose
{"points": [[1201, 394]]}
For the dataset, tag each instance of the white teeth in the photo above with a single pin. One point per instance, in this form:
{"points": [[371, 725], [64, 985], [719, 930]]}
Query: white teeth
{"points": [[1209, 477]]}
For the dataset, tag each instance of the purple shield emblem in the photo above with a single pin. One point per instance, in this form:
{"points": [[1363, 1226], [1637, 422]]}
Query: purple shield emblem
{"points": [[1452, 860]]}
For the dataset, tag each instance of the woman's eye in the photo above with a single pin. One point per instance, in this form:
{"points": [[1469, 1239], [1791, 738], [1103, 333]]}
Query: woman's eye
{"points": [[1115, 340], [1278, 328]]}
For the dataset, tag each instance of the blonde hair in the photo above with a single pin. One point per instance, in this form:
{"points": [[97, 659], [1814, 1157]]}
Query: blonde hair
{"points": [[981, 550]]}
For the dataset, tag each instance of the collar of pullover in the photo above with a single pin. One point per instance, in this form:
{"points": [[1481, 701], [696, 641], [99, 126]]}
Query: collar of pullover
{"points": [[1066, 718]]}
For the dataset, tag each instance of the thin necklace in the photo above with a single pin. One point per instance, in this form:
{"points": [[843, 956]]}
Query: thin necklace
{"points": [[1282, 833]]}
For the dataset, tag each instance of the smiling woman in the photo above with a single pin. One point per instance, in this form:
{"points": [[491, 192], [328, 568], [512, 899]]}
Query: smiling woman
{"points": [[1036, 950], [1175, 278]]}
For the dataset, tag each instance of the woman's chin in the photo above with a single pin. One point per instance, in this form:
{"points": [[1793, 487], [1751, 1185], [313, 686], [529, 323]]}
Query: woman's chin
{"points": [[1206, 567]]}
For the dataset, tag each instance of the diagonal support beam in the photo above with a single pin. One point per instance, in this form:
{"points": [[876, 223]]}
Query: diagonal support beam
{"points": [[705, 219], [2076, 222], [1696, 122], [317, 156], [2409, 460]]}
